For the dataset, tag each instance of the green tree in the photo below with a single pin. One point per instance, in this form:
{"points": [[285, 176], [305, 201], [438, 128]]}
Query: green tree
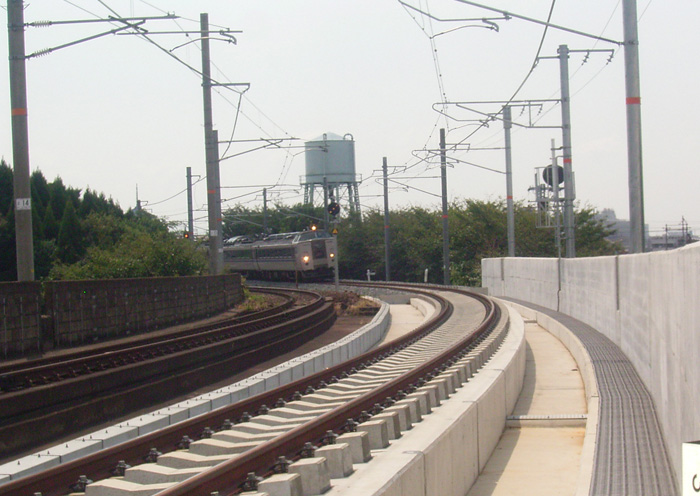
{"points": [[137, 254], [591, 233], [8, 250], [6, 186], [51, 225], [40, 193], [357, 246], [70, 236], [58, 197]]}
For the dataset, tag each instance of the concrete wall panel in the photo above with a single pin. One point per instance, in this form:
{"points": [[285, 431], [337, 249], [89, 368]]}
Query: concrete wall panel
{"points": [[589, 287], [634, 317], [532, 279]]}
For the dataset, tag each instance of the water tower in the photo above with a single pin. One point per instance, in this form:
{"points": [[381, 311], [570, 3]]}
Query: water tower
{"points": [[330, 160]]}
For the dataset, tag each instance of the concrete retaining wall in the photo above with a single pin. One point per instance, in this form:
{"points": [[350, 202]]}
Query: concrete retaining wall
{"points": [[84, 311], [79, 312], [648, 304], [20, 318]]}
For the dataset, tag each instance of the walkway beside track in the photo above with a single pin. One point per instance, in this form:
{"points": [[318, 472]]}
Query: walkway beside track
{"points": [[630, 454], [539, 452]]}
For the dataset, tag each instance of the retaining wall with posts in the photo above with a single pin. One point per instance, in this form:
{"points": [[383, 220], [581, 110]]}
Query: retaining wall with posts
{"points": [[20, 317], [81, 312]]}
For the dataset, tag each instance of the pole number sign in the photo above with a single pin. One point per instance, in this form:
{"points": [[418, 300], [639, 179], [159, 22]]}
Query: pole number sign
{"points": [[23, 204]]}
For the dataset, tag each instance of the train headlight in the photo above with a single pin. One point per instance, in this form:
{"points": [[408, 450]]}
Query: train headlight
{"points": [[306, 258]]}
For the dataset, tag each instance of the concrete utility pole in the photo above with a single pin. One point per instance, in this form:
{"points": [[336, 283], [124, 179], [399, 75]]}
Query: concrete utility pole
{"points": [[211, 143], [326, 217], [634, 126], [445, 226], [20, 142], [507, 125], [566, 147], [387, 258], [265, 210], [190, 216], [555, 195]]}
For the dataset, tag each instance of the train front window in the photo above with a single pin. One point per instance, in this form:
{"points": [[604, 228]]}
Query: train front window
{"points": [[318, 249]]}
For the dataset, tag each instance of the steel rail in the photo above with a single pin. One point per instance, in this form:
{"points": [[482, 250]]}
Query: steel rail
{"points": [[98, 466], [87, 400], [72, 368], [228, 477]]}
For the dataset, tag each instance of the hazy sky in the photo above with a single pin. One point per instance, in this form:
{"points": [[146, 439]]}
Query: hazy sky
{"points": [[117, 112]]}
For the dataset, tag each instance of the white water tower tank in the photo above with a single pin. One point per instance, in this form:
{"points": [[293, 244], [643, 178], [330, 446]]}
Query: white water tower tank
{"points": [[331, 156]]}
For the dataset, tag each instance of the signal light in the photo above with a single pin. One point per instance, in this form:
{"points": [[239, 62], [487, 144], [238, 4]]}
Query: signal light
{"points": [[548, 175], [333, 208], [186, 235], [313, 227]]}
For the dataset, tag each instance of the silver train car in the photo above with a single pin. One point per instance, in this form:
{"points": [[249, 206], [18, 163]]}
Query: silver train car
{"points": [[307, 255]]}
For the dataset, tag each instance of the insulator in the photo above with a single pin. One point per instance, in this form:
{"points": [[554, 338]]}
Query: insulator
{"points": [[41, 53]]}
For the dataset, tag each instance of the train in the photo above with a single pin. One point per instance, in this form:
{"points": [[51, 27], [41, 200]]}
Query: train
{"points": [[306, 255]]}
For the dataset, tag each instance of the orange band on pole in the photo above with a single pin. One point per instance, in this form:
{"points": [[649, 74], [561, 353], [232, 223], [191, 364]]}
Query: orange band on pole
{"points": [[211, 191], [634, 100], [19, 111]]}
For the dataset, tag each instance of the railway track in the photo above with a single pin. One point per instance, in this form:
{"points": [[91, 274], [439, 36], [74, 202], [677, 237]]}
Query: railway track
{"points": [[46, 398], [231, 448]]}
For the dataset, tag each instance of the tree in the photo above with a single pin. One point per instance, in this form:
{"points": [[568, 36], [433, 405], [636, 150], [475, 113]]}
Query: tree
{"points": [[6, 186], [70, 236], [8, 249], [40, 193], [51, 225], [138, 253]]}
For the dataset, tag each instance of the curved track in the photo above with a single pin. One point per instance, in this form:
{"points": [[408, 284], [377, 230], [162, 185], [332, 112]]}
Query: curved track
{"points": [[46, 398], [436, 346]]}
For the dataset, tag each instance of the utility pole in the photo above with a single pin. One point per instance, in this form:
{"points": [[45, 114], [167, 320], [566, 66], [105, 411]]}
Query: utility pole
{"points": [[566, 148], [445, 226], [507, 125], [20, 142], [634, 126], [190, 217], [265, 210], [387, 253], [555, 195], [211, 143], [326, 219]]}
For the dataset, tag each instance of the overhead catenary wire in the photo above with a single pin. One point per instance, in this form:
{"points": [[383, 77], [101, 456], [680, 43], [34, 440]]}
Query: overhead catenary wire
{"points": [[237, 105]]}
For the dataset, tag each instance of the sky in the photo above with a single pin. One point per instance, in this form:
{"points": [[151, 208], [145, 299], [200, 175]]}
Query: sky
{"points": [[119, 114]]}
